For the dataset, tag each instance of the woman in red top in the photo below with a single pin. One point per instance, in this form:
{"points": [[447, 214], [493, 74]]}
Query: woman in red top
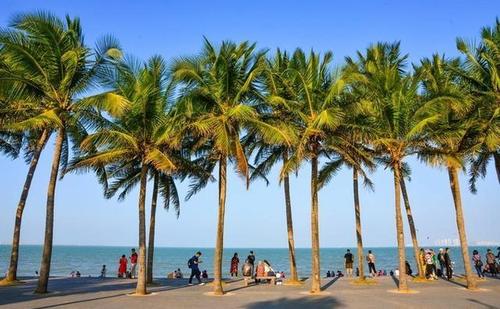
{"points": [[123, 267], [234, 265]]}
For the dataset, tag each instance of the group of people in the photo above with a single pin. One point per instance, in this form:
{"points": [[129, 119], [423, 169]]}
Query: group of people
{"points": [[429, 259], [123, 271], [490, 267], [349, 262]]}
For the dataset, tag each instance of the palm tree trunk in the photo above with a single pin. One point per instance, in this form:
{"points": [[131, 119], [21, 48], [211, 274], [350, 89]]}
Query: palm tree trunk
{"points": [[289, 226], [152, 219], [455, 191], [413, 231], [357, 212], [316, 270], [141, 278], [219, 245], [403, 286], [14, 256], [43, 280]]}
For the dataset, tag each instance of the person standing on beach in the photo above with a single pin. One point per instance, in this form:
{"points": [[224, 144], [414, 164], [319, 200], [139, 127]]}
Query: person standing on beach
{"points": [[234, 265], [193, 263], [348, 261], [251, 258], [122, 269], [251, 261], [490, 260], [370, 258], [478, 264], [133, 263], [103, 271], [447, 264], [440, 258]]}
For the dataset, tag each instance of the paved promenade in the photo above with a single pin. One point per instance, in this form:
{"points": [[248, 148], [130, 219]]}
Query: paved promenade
{"points": [[114, 293]]}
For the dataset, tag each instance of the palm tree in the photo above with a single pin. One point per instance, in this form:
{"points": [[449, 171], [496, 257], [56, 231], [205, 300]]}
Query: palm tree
{"points": [[57, 79], [350, 147], [393, 94], [450, 132], [278, 110], [316, 91], [480, 74], [217, 91], [137, 142]]}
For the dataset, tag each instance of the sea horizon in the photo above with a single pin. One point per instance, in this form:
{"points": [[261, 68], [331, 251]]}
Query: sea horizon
{"points": [[88, 260]]}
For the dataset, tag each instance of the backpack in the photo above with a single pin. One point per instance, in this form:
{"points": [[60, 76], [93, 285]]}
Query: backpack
{"points": [[190, 263]]}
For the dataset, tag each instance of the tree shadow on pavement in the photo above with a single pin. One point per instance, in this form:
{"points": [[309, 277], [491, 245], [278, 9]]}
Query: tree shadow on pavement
{"points": [[330, 283], [477, 302], [316, 302], [396, 280]]}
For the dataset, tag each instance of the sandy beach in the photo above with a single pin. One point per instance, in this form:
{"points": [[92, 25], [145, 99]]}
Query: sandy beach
{"points": [[172, 293]]}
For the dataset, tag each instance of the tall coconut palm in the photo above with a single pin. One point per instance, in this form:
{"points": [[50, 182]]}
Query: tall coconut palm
{"points": [[393, 94], [350, 147], [57, 79], [316, 92], [481, 75], [14, 108], [278, 110], [450, 133], [218, 89], [136, 142]]}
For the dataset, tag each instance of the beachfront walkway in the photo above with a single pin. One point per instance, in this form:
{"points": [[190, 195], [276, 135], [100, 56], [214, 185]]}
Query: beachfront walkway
{"points": [[113, 293]]}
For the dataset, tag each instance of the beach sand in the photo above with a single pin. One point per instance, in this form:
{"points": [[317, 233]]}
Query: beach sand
{"points": [[171, 293]]}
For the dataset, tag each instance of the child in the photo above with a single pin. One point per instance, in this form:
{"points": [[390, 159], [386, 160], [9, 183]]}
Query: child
{"points": [[103, 271]]}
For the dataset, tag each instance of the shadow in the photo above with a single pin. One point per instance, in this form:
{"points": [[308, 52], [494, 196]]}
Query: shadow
{"points": [[239, 288], [315, 302], [75, 286], [396, 281], [477, 302], [329, 284], [79, 301], [456, 283]]}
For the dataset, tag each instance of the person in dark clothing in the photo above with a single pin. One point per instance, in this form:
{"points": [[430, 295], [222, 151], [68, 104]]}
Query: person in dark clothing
{"points": [[193, 263], [447, 263], [348, 261], [409, 271], [251, 258]]}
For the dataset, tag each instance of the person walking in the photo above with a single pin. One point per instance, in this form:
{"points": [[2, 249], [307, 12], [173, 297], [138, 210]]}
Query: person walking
{"points": [[478, 264], [234, 265], [490, 260], [348, 261], [133, 263], [370, 258], [447, 264], [193, 264]]}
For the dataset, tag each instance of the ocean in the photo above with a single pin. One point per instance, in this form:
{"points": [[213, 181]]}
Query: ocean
{"points": [[88, 260]]}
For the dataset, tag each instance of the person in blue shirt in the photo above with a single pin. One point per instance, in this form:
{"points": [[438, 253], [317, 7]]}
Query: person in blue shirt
{"points": [[193, 263]]}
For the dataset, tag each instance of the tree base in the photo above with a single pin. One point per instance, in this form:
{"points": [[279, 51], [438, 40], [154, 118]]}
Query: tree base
{"points": [[403, 291], [422, 280], [213, 294], [141, 295], [320, 293], [293, 282], [5, 282], [364, 282]]}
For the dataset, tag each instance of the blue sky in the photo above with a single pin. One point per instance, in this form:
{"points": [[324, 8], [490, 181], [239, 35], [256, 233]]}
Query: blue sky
{"points": [[255, 218]]}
